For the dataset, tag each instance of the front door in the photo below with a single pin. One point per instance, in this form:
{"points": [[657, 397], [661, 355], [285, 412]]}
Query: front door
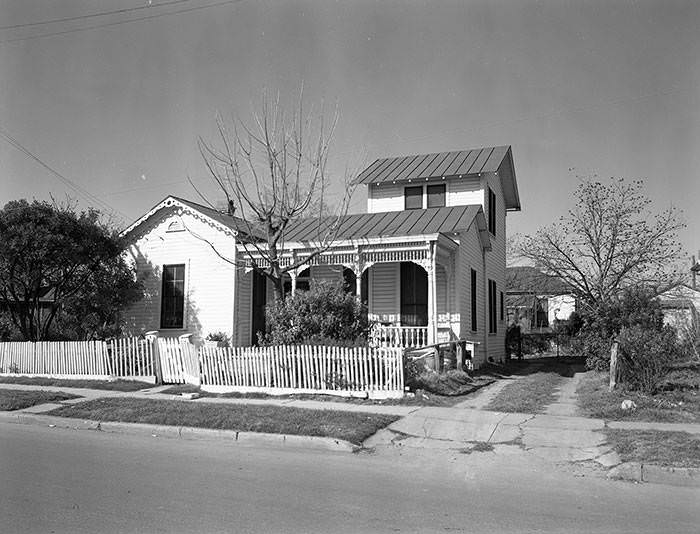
{"points": [[259, 301], [414, 295]]}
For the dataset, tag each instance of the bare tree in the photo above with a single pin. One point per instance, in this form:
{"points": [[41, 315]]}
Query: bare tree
{"points": [[608, 242], [274, 173]]}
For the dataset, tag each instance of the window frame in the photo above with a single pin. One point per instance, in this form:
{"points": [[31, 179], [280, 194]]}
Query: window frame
{"points": [[492, 211], [443, 187], [414, 188], [166, 286], [474, 288], [493, 322]]}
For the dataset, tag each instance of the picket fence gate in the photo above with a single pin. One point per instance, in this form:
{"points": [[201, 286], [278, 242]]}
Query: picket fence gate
{"points": [[344, 371], [126, 358]]}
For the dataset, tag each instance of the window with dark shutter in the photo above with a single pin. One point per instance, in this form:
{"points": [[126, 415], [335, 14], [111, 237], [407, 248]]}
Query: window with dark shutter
{"points": [[502, 310], [492, 212], [436, 196], [173, 297], [413, 197], [473, 298], [492, 307]]}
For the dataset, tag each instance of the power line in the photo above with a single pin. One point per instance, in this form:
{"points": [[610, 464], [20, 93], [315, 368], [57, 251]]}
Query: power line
{"points": [[93, 15], [75, 187], [117, 23]]}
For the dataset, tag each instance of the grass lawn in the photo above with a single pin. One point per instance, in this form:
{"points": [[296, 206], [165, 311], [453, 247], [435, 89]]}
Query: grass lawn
{"points": [[672, 449], [353, 427], [675, 406], [12, 399], [529, 394], [421, 398], [116, 385]]}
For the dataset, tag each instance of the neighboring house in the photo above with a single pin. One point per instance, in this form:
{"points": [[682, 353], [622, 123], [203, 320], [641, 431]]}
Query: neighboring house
{"points": [[428, 257], [535, 300], [681, 307]]}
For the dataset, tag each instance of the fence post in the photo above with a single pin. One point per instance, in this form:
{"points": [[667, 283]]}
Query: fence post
{"points": [[152, 338], [614, 369]]}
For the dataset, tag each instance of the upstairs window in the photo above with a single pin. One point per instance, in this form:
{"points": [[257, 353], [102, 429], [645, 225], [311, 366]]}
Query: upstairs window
{"points": [[172, 304], [413, 198], [436, 196], [492, 212]]}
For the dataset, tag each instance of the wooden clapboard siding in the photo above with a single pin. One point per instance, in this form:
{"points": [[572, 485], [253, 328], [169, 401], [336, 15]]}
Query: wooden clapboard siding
{"points": [[327, 273], [464, 191], [470, 257], [390, 197], [496, 268], [385, 197], [209, 279], [384, 298]]}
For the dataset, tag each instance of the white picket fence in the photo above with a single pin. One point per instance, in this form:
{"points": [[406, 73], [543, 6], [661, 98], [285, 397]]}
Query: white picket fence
{"points": [[178, 361], [344, 371], [128, 358]]}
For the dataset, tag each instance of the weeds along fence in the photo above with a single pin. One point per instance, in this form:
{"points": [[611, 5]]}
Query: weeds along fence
{"points": [[343, 371], [128, 358]]}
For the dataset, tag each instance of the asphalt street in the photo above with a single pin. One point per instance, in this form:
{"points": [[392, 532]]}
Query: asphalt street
{"points": [[61, 480]]}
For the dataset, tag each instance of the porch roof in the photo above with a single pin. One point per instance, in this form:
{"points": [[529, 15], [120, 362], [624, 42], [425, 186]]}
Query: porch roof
{"points": [[390, 224]]}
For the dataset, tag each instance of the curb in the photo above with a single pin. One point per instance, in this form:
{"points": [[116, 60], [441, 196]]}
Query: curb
{"points": [[182, 432], [657, 474]]}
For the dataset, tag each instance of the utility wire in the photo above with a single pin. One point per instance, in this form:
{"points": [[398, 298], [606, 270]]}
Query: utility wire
{"points": [[75, 187], [93, 15], [117, 23]]}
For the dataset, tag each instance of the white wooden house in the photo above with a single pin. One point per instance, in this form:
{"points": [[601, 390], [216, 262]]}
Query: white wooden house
{"points": [[428, 256]]}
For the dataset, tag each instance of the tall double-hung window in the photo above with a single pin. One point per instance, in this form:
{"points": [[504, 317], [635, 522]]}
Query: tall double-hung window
{"points": [[172, 306], [493, 317], [492, 211]]}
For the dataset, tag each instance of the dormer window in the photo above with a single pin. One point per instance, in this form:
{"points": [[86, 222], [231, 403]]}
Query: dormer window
{"points": [[436, 196], [413, 198]]}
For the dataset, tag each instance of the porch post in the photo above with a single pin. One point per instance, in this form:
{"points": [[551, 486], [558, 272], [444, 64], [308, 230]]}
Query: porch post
{"points": [[293, 276], [432, 300], [357, 269]]}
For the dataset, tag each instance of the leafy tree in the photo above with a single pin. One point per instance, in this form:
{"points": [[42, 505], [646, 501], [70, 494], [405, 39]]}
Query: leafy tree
{"points": [[608, 242], [634, 308], [95, 312], [48, 252], [274, 173]]}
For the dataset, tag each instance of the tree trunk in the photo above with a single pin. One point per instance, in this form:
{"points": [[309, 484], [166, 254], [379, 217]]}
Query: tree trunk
{"points": [[614, 368]]}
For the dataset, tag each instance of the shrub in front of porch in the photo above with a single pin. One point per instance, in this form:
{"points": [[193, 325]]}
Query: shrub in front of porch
{"points": [[325, 314]]}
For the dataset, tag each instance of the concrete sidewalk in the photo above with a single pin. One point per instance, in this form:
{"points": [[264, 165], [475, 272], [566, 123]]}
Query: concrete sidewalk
{"points": [[558, 439]]}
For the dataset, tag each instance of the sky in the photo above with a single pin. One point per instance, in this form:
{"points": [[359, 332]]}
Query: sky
{"points": [[584, 88]]}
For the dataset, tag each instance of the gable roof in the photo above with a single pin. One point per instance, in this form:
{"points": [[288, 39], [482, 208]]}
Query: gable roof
{"points": [[235, 225], [389, 224], [456, 164]]}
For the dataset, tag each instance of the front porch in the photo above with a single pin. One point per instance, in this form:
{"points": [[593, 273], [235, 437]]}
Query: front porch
{"points": [[408, 286]]}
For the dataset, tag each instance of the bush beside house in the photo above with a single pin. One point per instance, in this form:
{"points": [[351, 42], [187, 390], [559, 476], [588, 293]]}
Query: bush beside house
{"points": [[324, 314]]}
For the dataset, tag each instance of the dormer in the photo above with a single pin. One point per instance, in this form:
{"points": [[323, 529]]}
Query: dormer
{"points": [[444, 179]]}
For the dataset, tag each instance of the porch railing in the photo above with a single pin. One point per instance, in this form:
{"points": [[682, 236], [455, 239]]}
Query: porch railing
{"points": [[399, 336]]}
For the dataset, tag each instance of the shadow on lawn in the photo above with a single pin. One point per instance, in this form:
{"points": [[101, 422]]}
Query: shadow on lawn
{"points": [[565, 366]]}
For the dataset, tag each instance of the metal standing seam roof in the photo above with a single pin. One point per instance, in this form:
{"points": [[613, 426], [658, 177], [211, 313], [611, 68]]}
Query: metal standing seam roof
{"points": [[390, 224], [435, 165]]}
